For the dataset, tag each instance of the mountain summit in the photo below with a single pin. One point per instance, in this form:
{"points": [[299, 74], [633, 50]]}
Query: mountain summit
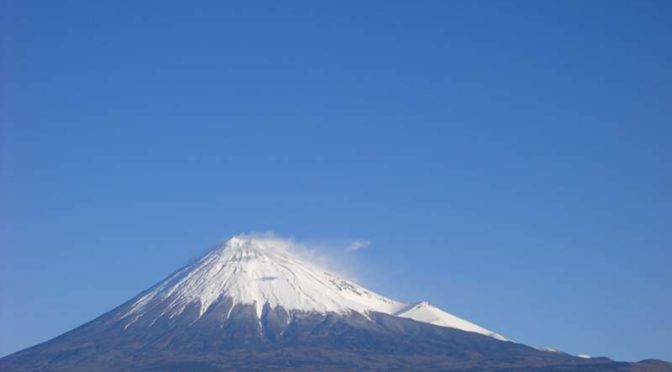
{"points": [[268, 271], [257, 303], [260, 271]]}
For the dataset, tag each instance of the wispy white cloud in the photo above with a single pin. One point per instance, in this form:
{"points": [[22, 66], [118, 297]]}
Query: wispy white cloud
{"points": [[357, 245]]}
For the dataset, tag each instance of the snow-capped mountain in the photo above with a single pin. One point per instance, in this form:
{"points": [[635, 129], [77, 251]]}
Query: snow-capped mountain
{"points": [[255, 303], [261, 271]]}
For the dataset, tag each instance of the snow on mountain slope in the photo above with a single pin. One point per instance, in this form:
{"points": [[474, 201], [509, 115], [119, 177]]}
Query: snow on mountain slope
{"points": [[260, 270], [425, 312], [256, 271]]}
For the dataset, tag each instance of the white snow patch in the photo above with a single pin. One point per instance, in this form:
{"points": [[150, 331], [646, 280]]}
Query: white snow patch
{"points": [[425, 312]]}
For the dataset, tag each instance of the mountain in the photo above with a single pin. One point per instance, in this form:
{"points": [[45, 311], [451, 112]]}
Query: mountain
{"points": [[254, 303]]}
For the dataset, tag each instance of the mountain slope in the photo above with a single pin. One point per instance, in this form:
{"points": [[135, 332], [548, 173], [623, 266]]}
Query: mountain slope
{"points": [[255, 304], [279, 341], [425, 312]]}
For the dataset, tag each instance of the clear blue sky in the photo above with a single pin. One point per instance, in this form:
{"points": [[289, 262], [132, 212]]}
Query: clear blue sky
{"points": [[510, 161]]}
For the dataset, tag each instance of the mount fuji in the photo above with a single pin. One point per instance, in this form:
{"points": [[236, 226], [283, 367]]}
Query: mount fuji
{"points": [[255, 303]]}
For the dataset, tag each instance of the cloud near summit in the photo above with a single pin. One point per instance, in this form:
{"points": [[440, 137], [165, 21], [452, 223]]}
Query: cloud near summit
{"points": [[358, 245]]}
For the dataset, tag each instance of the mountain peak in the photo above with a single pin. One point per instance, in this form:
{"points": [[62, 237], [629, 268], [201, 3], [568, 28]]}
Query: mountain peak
{"points": [[259, 271], [268, 271], [255, 243]]}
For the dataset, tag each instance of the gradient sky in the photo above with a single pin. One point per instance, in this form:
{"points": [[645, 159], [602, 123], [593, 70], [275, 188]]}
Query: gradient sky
{"points": [[510, 161]]}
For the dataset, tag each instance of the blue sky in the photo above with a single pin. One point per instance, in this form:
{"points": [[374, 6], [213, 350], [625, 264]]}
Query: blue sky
{"points": [[508, 161]]}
